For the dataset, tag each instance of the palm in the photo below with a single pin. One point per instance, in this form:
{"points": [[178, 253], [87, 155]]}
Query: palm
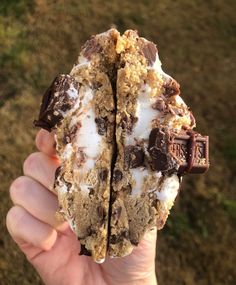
{"points": [[67, 267]]}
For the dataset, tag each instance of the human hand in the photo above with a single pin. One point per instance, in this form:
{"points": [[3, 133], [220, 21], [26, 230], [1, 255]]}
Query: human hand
{"points": [[51, 246]]}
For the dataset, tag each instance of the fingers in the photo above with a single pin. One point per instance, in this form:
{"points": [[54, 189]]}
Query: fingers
{"points": [[45, 142], [36, 200], [24, 228], [41, 168]]}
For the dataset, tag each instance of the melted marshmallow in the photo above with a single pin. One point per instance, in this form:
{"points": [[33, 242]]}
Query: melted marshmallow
{"points": [[145, 114], [88, 139], [72, 92], [157, 67], [138, 174], [169, 190], [68, 150], [82, 62]]}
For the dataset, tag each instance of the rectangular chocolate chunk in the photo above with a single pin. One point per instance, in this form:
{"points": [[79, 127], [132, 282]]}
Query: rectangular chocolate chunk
{"points": [[192, 151]]}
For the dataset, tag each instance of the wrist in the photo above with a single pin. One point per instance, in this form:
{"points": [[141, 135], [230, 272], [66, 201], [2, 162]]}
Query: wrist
{"points": [[148, 280]]}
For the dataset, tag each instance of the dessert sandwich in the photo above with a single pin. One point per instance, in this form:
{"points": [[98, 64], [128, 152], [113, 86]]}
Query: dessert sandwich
{"points": [[124, 137]]}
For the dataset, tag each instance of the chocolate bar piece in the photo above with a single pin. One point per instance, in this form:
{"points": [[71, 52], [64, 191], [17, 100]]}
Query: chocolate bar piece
{"points": [[186, 152], [59, 98], [192, 150]]}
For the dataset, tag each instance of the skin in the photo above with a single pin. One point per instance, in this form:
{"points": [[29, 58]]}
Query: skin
{"points": [[50, 245]]}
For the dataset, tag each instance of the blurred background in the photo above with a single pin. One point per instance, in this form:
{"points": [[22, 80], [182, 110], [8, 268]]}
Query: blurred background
{"points": [[197, 45]]}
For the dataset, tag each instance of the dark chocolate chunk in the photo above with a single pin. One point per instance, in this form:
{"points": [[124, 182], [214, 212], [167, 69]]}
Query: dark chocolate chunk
{"points": [[150, 51], [102, 125], [120, 237], [103, 174], [133, 157], [55, 101], [91, 46], [117, 175], [128, 122], [84, 250], [171, 88], [161, 160]]}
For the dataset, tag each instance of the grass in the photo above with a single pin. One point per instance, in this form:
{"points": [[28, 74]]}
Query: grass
{"points": [[196, 40]]}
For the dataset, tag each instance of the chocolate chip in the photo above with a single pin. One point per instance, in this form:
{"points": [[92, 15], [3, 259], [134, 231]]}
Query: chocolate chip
{"points": [[65, 106], [84, 250], [171, 88], [73, 130], [117, 175], [91, 231], [103, 174], [133, 157], [57, 172], [113, 239], [127, 122], [159, 105], [65, 139], [117, 213], [96, 85], [102, 125], [91, 191], [150, 51], [91, 46], [101, 213], [120, 237], [69, 135], [68, 185], [134, 242], [154, 203]]}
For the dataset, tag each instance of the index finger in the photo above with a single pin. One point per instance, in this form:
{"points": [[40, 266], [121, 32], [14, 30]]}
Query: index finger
{"points": [[45, 142]]}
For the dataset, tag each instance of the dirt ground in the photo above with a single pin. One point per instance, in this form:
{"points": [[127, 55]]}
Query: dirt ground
{"points": [[196, 40]]}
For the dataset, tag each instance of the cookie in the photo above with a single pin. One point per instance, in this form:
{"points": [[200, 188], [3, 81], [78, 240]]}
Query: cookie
{"points": [[80, 107], [149, 108], [124, 138]]}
